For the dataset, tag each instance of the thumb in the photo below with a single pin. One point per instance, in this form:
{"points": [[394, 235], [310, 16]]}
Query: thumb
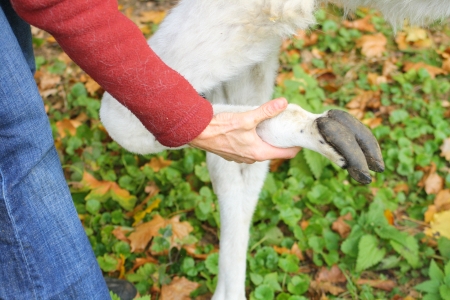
{"points": [[270, 109]]}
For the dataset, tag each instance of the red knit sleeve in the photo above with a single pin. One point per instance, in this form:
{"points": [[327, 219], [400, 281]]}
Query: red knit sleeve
{"points": [[113, 51]]}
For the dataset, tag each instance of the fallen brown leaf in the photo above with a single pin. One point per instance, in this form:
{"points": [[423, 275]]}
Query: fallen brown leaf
{"points": [[67, 126], [158, 163], [429, 214], [432, 70], [281, 250], [363, 24], [375, 79], [445, 149], [146, 231], [388, 68], [385, 285], [333, 275], [325, 287], [275, 164], [401, 41], [308, 39], [402, 187], [297, 252], [372, 45], [434, 184], [431, 181], [389, 216], [119, 233], [363, 101], [373, 122], [191, 251], [92, 86], [48, 81], [141, 261], [294, 250], [152, 16], [442, 200], [178, 289], [342, 227]]}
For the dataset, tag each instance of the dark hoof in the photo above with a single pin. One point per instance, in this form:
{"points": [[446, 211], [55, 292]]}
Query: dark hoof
{"points": [[364, 137], [344, 142]]}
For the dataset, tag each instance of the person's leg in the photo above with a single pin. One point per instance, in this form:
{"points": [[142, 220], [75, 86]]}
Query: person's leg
{"points": [[44, 252]]}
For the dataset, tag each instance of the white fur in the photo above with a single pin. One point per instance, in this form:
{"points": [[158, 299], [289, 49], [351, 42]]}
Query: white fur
{"points": [[228, 49], [396, 11]]}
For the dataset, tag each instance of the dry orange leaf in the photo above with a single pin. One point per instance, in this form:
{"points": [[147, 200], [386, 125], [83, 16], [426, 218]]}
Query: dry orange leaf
{"points": [[191, 251], [429, 214], [92, 86], [308, 39], [67, 126], [366, 99], [281, 77], [152, 16], [445, 149], [433, 184], [275, 164], [446, 65], [297, 252], [325, 287], [119, 233], [341, 227], [178, 289], [281, 250], [432, 70], [141, 261], [363, 24], [146, 231], [385, 285], [389, 216], [388, 68], [102, 190], [372, 45], [158, 163], [294, 250], [375, 79], [431, 181], [48, 81], [442, 200], [402, 187], [372, 122], [333, 275], [400, 39]]}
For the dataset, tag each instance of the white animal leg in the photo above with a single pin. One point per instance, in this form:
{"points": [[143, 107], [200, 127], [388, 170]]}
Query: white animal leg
{"points": [[237, 187]]}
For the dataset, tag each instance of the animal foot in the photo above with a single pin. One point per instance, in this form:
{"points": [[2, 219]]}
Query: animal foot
{"points": [[354, 142]]}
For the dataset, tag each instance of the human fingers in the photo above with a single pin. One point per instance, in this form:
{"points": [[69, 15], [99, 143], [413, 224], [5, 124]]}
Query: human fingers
{"points": [[263, 151], [268, 110]]}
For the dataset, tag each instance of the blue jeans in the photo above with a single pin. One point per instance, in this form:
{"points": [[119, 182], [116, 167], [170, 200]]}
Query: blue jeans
{"points": [[44, 251]]}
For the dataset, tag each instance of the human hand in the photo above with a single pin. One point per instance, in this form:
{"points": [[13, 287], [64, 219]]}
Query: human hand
{"points": [[233, 135]]}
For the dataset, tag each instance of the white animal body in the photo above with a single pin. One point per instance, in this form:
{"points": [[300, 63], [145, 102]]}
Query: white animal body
{"points": [[228, 51]]}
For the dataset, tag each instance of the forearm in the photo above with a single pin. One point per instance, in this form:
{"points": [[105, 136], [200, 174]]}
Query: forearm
{"points": [[111, 49]]}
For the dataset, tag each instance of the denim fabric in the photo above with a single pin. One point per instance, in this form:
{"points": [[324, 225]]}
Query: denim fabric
{"points": [[44, 252]]}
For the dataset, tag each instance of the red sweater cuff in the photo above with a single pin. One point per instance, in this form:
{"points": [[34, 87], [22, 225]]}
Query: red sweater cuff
{"points": [[113, 51]]}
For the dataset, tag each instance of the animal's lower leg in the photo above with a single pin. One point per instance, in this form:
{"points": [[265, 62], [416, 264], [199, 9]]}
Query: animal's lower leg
{"points": [[237, 187]]}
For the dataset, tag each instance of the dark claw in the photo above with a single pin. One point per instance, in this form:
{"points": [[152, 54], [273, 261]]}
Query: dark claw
{"points": [[364, 137], [344, 142]]}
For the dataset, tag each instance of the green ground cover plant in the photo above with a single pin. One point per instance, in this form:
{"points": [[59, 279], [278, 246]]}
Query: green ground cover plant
{"points": [[316, 233]]}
